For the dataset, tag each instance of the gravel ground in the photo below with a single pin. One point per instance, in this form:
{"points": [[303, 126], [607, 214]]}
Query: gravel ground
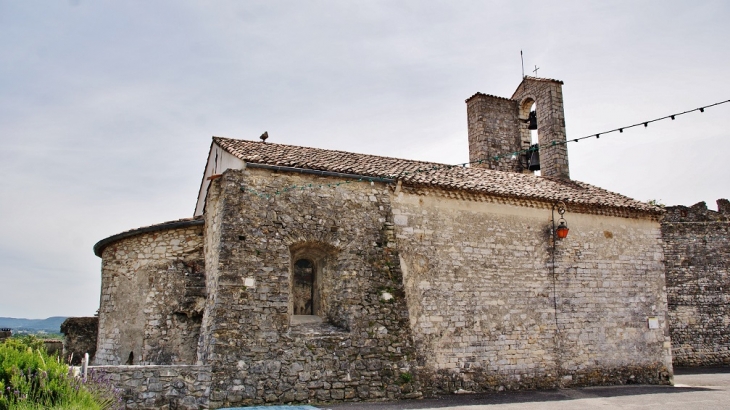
{"points": [[694, 388]]}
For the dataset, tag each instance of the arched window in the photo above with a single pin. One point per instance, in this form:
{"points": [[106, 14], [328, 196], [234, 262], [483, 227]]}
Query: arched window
{"points": [[304, 291], [311, 281]]}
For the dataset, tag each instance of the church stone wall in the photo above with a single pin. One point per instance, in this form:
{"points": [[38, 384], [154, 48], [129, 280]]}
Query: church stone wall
{"points": [[418, 293], [479, 287], [152, 296], [697, 248], [358, 347]]}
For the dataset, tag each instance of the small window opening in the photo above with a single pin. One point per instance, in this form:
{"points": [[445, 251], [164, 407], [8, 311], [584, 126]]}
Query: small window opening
{"points": [[303, 291], [130, 359], [311, 284]]}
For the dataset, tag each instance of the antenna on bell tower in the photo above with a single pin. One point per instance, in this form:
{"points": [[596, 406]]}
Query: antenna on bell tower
{"points": [[523, 65]]}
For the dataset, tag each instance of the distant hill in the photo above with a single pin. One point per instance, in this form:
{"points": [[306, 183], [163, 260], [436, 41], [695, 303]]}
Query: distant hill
{"points": [[51, 325]]}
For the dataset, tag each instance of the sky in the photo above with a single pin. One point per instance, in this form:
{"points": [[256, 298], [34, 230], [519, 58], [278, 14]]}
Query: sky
{"points": [[107, 108]]}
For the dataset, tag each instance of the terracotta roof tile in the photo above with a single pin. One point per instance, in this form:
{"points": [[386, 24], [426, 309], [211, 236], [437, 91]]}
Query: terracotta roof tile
{"points": [[421, 173]]}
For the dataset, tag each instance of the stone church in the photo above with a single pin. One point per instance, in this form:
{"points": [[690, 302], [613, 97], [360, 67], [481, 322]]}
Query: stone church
{"points": [[312, 275]]}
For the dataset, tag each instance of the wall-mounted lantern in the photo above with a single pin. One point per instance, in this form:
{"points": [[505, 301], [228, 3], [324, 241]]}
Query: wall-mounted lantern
{"points": [[561, 232]]}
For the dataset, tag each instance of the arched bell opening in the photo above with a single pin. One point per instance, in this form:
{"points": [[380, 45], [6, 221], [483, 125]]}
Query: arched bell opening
{"points": [[529, 136], [532, 124]]}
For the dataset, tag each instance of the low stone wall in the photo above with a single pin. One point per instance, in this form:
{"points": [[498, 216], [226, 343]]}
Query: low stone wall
{"points": [[53, 347], [159, 387], [79, 338]]}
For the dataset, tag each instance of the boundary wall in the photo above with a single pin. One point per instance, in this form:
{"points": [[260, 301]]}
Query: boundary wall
{"points": [[697, 251]]}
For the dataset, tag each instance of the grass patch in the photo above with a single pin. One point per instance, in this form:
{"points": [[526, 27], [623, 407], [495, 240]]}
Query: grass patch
{"points": [[32, 379]]}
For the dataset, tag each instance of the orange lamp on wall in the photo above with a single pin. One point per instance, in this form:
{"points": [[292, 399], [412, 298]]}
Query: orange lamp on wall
{"points": [[562, 230]]}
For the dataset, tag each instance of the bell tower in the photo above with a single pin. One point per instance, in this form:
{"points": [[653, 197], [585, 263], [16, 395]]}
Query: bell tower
{"points": [[547, 95], [494, 129], [499, 126]]}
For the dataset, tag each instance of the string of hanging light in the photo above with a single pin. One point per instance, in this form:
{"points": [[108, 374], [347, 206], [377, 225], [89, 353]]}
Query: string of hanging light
{"points": [[646, 123], [511, 155], [596, 135]]}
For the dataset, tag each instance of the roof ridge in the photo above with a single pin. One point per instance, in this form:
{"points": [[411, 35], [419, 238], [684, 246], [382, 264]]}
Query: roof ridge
{"points": [[327, 150], [527, 77], [481, 94]]}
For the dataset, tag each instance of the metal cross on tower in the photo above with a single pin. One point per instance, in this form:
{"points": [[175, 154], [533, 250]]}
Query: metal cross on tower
{"points": [[535, 70]]}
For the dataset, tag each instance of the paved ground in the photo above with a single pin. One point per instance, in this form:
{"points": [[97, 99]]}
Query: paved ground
{"points": [[694, 389]]}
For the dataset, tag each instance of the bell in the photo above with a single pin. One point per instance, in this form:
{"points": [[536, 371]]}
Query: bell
{"points": [[533, 120], [534, 164]]}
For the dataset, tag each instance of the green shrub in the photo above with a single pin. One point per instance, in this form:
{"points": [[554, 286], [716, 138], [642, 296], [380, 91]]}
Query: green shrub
{"points": [[406, 377], [31, 379]]}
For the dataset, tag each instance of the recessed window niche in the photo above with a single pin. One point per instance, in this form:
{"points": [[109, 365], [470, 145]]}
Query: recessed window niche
{"points": [[311, 272], [303, 289]]}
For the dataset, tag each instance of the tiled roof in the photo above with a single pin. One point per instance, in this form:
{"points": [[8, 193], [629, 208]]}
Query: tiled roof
{"points": [[430, 174]]}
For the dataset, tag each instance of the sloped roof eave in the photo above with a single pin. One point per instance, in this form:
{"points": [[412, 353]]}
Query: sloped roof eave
{"points": [[450, 177]]}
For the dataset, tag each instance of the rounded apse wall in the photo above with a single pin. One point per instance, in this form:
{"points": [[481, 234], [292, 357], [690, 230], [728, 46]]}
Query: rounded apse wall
{"points": [[152, 294]]}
